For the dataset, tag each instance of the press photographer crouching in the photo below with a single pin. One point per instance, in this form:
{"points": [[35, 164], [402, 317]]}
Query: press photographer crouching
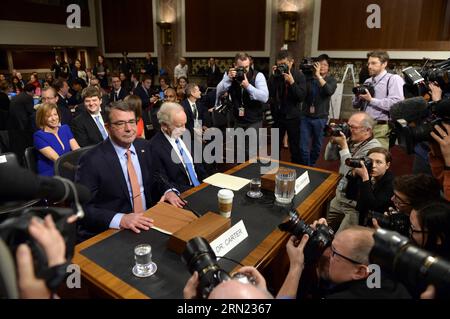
{"points": [[355, 144], [210, 281], [374, 182], [344, 265]]}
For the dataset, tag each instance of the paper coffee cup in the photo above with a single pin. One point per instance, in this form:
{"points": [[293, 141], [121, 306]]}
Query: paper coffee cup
{"points": [[225, 199]]}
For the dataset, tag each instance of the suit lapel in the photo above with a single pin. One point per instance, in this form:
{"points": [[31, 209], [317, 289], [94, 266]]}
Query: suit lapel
{"points": [[113, 160], [92, 126], [166, 144]]}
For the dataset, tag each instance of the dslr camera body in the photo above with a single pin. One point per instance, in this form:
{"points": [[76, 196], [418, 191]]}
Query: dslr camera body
{"points": [[280, 70], [240, 74], [319, 238], [307, 66], [395, 221], [355, 162], [358, 90], [199, 256], [335, 130]]}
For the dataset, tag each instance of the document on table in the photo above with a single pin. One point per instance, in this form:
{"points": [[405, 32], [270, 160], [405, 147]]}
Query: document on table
{"points": [[227, 181]]}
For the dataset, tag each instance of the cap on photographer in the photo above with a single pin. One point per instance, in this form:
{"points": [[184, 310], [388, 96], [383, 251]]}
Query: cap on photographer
{"points": [[361, 140], [348, 268], [381, 91]]}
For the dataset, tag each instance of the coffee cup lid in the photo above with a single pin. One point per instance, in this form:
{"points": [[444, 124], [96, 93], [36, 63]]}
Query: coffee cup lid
{"points": [[225, 194]]}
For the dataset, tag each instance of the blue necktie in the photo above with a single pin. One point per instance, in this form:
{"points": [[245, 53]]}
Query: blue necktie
{"points": [[100, 127], [189, 165]]}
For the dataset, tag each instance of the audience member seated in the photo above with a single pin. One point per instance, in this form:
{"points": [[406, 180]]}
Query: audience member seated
{"points": [[181, 88], [89, 127], [171, 157], [347, 268], [52, 140], [34, 80], [117, 93], [135, 103], [356, 146], [120, 175], [193, 109], [62, 88], [375, 189]]}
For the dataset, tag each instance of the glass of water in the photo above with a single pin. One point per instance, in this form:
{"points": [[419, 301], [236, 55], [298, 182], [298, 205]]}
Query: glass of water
{"points": [[255, 188], [144, 266], [285, 185]]}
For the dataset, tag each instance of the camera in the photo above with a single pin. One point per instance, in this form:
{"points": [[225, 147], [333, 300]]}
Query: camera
{"points": [[307, 66], [225, 104], [14, 232], [395, 221], [199, 257], [358, 90], [414, 267], [280, 70], [417, 81], [240, 75], [334, 130], [356, 163], [319, 238]]}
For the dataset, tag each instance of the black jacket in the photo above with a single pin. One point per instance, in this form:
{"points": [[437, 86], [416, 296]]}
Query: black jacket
{"points": [[285, 100], [85, 130], [319, 97]]}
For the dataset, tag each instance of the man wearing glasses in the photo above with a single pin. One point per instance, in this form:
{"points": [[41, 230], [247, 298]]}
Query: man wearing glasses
{"points": [[119, 173], [357, 145], [347, 269]]}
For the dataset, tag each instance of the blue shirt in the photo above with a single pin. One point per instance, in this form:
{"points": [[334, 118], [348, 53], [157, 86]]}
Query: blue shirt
{"points": [[123, 159], [259, 92], [45, 166]]}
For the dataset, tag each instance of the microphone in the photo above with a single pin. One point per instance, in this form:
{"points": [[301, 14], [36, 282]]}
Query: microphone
{"points": [[21, 184], [409, 110], [166, 183]]}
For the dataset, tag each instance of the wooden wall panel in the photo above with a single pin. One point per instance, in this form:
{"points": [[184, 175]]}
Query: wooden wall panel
{"points": [[128, 25], [405, 25], [232, 25], [33, 59], [42, 11]]}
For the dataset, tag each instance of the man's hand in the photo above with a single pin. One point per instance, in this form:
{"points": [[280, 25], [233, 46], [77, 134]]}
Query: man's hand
{"points": [[50, 239], [295, 251], [436, 91], [362, 172], [173, 199], [232, 73], [30, 287], [340, 140], [245, 83], [322, 221], [136, 222], [289, 78], [154, 98], [190, 289], [443, 140], [366, 96], [253, 272]]}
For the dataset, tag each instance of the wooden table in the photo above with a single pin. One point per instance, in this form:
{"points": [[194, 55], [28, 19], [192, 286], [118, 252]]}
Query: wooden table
{"points": [[103, 283]]}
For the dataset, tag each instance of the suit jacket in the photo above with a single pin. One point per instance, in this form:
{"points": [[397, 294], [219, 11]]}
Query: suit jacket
{"points": [[101, 173], [21, 113], [122, 94], [144, 94], [66, 114], [190, 115], [174, 172], [85, 130]]}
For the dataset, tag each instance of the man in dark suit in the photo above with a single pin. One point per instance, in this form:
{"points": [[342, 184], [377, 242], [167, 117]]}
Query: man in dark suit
{"points": [[171, 157], [213, 73], [120, 175], [88, 128], [193, 109], [20, 126], [62, 88], [117, 93]]}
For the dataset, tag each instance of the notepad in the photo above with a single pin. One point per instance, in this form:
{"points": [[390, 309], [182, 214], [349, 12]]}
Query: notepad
{"points": [[227, 181]]}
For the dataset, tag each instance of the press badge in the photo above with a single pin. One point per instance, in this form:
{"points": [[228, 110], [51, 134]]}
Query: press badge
{"points": [[312, 109], [241, 111]]}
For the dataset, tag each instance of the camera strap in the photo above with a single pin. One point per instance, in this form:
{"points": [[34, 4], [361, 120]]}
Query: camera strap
{"points": [[361, 146]]}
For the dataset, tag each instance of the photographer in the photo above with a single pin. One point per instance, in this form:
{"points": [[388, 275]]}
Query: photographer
{"points": [[387, 89], [358, 144], [439, 157], [46, 234], [347, 270], [287, 89], [375, 187], [231, 289], [248, 91], [320, 87]]}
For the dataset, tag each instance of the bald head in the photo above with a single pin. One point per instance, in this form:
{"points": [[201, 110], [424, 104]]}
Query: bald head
{"points": [[233, 289], [358, 242]]}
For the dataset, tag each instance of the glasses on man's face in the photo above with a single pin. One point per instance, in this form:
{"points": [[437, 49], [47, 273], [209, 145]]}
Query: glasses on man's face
{"points": [[334, 252], [354, 127], [397, 200], [412, 230], [121, 124]]}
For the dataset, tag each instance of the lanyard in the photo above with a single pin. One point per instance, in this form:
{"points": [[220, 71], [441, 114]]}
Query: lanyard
{"points": [[361, 146]]}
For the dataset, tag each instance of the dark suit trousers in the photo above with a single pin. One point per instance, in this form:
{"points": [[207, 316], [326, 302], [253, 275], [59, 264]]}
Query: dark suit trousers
{"points": [[292, 127]]}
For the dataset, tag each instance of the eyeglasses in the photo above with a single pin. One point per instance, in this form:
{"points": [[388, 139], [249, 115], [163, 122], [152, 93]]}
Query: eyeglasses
{"points": [[121, 124], [400, 201], [412, 230], [334, 252], [355, 128]]}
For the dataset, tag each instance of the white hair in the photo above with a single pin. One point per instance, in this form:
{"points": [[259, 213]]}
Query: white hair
{"points": [[165, 112]]}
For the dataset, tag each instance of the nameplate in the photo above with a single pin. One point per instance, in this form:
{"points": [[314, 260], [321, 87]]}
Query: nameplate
{"points": [[301, 182], [3, 159], [229, 239]]}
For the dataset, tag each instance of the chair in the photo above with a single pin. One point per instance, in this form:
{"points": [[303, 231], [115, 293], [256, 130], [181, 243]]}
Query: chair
{"points": [[8, 160], [66, 165], [30, 159]]}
